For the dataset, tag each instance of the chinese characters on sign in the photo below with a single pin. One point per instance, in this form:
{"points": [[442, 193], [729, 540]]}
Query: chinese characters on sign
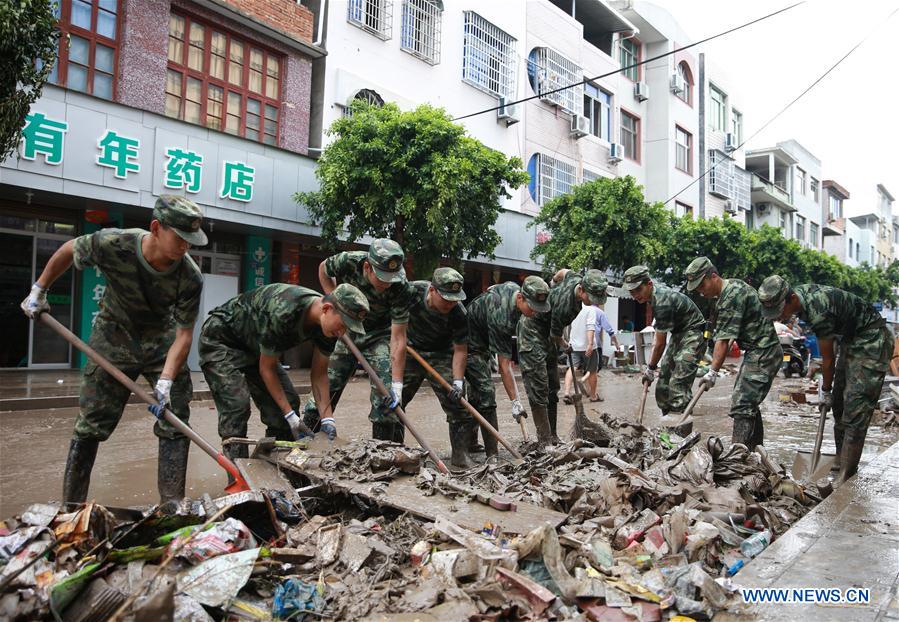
{"points": [[257, 262], [183, 168]]}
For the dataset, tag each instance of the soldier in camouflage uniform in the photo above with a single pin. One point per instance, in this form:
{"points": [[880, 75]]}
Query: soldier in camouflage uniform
{"points": [[438, 330], [739, 317], [540, 340], [676, 314], [851, 385], [145, 326], [241, 346], [380, 276], [492, 320]]}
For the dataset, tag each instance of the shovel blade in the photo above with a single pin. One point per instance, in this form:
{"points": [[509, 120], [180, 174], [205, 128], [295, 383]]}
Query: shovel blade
{"points": [[802, 466]]}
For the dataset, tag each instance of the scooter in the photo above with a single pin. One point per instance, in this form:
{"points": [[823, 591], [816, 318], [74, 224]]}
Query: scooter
{"points": [[796, 356]]}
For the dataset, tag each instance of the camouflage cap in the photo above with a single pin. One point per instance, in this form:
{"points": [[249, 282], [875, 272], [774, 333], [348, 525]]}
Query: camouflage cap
{"points": [[351, 304], [773, 293], [182, 215], [698, 269], [536, 292], [448, 284], [595, 284], [635, 276], [386, 258]]}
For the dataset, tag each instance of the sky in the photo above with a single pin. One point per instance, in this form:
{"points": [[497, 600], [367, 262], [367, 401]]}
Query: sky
{"points": [[850, 120]]}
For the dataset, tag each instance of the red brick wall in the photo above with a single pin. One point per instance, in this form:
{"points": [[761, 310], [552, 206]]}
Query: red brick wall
{"points": [[284, 15]]}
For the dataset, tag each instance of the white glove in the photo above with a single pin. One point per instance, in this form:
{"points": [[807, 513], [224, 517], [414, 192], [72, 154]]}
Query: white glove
{"points": [[390, 402], [36, 302], [163, 394], [518, 410], [649, 375], [825, 398], [298, 428], [329, 427], [709, 379], [456, 394]]}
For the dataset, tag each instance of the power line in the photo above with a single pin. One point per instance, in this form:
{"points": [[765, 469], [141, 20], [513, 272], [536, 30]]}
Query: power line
{"points": [[790, 104], [637, 64]]}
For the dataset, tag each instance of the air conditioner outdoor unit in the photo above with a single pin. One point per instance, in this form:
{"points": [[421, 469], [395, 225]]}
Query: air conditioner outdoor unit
{"points": [[616, 153], [641, 91], [730, 207], [678, 84], [730, 142], [763, 208], [580, 126], [507, 112]]}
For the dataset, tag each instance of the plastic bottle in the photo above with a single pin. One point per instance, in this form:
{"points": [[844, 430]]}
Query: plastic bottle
{"points": [[756, 543]]}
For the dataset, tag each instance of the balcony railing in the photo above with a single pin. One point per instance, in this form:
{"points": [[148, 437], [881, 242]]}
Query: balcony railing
{"points": [[766, 191]]}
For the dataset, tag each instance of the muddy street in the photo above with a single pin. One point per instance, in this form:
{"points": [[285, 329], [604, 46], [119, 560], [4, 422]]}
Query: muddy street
{"points": [[34, 444]]}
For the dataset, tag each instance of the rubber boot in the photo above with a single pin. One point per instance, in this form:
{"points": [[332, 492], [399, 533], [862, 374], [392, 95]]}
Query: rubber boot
{"points": [[552, 413], [474, 447], [743, 431], [79, 465], [234, 451], [490, 443], [838, 441], [541, 422], [388, 431], [758, 431], [172, 468], [460, 436], [849, 458]]}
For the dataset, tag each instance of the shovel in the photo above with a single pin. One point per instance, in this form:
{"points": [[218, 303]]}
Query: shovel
{"points": [[238, 485], [642, 403], [813, 466], [668, 421]]}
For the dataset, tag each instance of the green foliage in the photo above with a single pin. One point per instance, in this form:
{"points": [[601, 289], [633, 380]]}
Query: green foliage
{"points": [[606, 224], [415, 177], [723, 241], [28, 42]]}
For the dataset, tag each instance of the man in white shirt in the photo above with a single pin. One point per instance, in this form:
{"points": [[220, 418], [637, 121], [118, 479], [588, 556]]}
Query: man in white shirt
{"points": [[586, 345]]}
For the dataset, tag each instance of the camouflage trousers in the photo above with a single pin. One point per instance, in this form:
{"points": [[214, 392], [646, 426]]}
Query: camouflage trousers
{"points": [[861, 366], [103, 398], [480, 390], [538, 359], [234, 379], [341, 367], [754, 381], [415, 374], [677, 371]]}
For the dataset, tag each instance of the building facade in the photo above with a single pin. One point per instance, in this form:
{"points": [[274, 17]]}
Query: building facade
{"points": [[208, 100]]}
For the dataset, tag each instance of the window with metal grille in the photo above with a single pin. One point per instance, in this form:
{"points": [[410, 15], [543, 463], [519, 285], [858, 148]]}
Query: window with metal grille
{"points": [[629, 54], [721, 175], [550, 177], [221, 81], [374, 16], [368, 96], [488, 57], [598, 108], [683, 150], [589, 175], [742, 188], [547, 71], [88, 47], [630, 135], [421, 29]]}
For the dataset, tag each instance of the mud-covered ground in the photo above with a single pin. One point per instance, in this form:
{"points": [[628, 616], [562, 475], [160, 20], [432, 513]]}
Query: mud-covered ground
{"points": [[33, 444]]}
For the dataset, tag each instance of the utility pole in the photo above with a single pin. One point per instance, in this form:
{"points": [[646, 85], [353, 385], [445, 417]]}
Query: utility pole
{"points": [[700, 94]]}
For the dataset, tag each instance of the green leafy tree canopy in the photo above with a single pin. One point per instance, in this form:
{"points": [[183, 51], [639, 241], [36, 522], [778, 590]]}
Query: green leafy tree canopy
{"points": [[605, 224], [28, 43], [415, 177]]}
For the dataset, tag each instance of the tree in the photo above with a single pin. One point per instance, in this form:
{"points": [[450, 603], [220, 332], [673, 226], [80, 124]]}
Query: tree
{"points": [[723, 241], [28, 43], [605, 224], [415, 177]]}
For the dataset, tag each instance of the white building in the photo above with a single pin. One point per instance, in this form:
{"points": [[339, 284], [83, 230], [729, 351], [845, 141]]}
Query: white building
{"points": [[841, 236]]}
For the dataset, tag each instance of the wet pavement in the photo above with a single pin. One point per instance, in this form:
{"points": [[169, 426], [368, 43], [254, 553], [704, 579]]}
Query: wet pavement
{"points": [[851, 540], [34, 443]]}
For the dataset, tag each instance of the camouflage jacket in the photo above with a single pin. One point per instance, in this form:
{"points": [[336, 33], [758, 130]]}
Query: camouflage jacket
{"points": [[269, 320], [385, 308], [431, 331], [739, 316], [564, 306], [833, 312], [674, 312], [493, 319], [139, 299]]}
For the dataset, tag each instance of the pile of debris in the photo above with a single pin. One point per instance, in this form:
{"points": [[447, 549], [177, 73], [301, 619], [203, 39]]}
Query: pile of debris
{"points": [[656, 527]]}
